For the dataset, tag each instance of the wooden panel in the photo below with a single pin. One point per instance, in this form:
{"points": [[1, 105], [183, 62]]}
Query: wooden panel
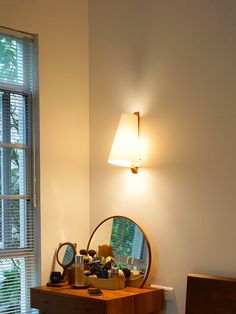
{"points": [[148, 303], [52, 304], [121, 306], [210, 295], [145, 302]]}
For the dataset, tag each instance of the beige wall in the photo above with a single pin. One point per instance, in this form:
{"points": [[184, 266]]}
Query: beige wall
{"points": [[102, 235], [174, 61], [62, 27]]}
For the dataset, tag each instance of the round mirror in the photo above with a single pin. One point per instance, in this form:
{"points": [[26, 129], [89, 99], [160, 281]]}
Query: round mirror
{"points": [[66, 255], [122, 238]]}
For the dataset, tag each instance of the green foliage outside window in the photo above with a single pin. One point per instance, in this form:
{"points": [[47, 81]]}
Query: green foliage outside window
{"points": [[9, 268], [8, 58], [9, 293], [8, 68]]}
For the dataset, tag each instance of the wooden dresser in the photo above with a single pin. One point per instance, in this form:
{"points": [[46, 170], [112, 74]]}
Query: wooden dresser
{"points": [[64, 300]]}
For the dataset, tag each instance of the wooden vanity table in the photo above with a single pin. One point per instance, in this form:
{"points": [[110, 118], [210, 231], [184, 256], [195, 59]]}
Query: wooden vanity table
{"points": [[134, 299], [64, 300]]}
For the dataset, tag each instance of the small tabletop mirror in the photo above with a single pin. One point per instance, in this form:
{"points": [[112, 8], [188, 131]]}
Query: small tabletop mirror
{"points": [[122, 238], [66, 256]]}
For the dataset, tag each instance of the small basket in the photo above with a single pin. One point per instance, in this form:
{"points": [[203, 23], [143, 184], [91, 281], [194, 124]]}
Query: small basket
{"points": [[135, 281], [112, 283]]}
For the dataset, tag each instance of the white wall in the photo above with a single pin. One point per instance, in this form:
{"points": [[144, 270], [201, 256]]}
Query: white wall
{"points": [[62, 27], [102, 235], [174, 61]]}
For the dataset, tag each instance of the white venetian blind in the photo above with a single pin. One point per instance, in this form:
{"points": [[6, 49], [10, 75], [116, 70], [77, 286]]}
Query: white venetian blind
{"points": [[18, 207]]}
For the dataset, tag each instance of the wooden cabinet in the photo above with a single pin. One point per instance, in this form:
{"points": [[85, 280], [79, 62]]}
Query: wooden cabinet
{"points": [[64, 300]]}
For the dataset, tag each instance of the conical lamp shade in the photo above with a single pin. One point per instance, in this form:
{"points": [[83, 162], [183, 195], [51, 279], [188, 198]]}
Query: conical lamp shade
{"points": [[125, 147]]}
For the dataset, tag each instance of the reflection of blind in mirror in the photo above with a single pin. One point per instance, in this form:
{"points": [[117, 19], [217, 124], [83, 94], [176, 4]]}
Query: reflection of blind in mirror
{"points": [[126, 239], [68, 255], [137, 243]]}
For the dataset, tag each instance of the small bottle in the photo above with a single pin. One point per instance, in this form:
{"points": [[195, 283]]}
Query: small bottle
{"points": [[79, 271]]}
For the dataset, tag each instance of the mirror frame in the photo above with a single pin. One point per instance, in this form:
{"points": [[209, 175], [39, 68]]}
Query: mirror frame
{"points": [[145, 237]]}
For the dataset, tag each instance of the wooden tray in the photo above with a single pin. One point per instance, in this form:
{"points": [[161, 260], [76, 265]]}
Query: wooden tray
{"points": [[112, 283]]}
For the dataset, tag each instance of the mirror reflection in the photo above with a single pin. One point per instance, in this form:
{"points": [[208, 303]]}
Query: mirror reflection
{"points": [[65, 255], [123, 239]]}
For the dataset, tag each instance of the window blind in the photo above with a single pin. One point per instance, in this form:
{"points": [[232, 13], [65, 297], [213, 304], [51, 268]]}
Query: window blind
{"points": [[18, 207]]}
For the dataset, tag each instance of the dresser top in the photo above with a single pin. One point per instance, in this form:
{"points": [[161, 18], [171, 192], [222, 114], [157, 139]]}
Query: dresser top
{"points": [[107, 294]]}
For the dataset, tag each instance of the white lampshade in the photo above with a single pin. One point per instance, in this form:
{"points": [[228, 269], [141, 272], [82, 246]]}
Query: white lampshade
{"points": [[125, 147]]}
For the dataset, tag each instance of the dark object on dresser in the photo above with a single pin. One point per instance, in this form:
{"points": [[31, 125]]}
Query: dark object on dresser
{"points": [[55, 277]]}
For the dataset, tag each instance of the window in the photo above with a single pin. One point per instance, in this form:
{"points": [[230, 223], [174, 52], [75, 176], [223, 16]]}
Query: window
{"points": [[18, 206]]}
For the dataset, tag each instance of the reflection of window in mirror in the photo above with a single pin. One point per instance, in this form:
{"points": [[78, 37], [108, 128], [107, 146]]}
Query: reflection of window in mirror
{"points": [[128, 243]]}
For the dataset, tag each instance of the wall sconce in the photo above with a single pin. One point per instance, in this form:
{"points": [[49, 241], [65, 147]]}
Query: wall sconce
{"points": [[125, 147]]}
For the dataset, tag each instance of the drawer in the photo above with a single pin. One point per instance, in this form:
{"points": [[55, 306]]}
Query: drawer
{"points": [[59, 304]]}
